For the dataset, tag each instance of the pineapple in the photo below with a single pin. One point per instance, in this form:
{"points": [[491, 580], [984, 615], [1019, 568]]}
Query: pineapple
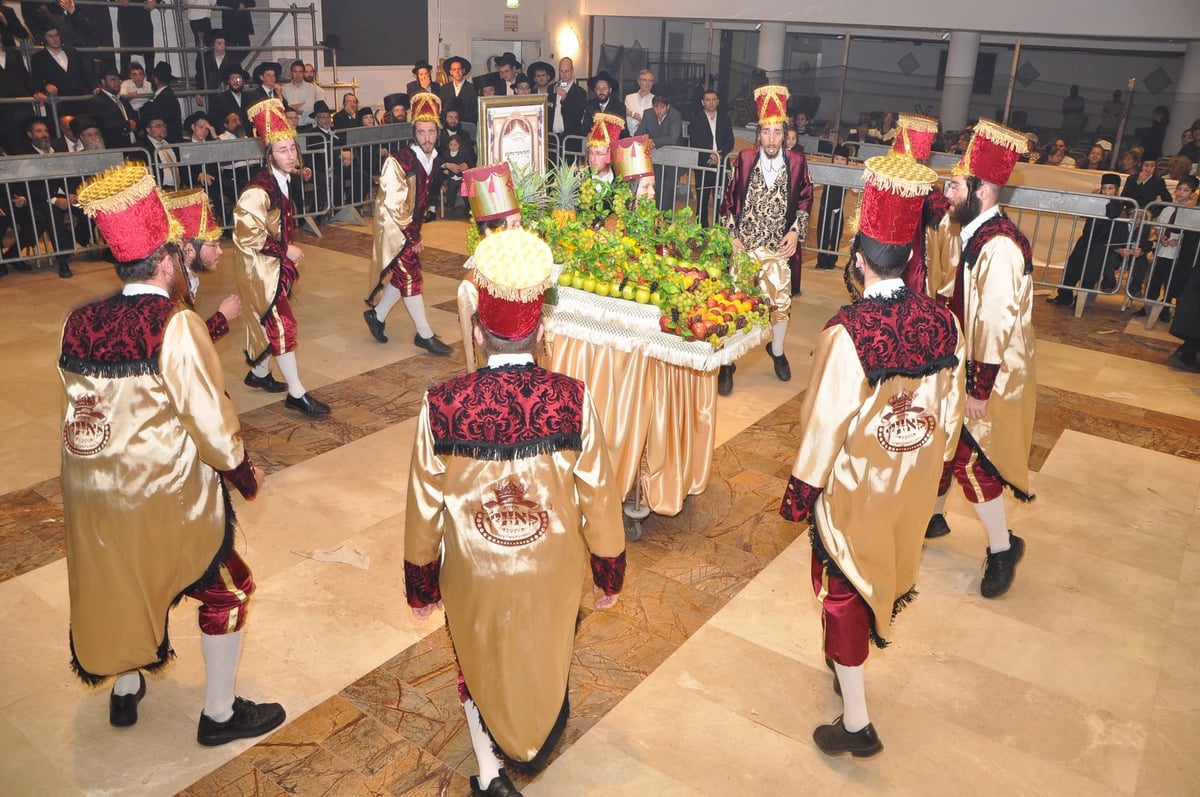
{"points": [[566, 179], [532, 193]]}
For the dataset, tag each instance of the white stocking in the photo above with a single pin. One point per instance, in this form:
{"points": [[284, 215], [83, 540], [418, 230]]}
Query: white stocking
{"points": [[992, 515], [778, 331], [220, 669], [940, 509], [262, 369], [416, 308], [387, 300], [291, 373], [128, 683], [485, 753], [854, 697]]}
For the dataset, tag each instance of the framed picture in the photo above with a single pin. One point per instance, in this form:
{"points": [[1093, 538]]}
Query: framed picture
{"points": [[513, 129]]}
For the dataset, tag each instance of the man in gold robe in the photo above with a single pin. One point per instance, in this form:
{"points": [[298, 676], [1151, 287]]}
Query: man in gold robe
{"points": [[201, 249], [766, 210], [264, 227], [881, 413], [510, 494], [150, 440], [993, 301], [407, 185]]}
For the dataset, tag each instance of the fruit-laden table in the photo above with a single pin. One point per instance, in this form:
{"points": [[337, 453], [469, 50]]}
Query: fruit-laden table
{"points": [[655, 392]]}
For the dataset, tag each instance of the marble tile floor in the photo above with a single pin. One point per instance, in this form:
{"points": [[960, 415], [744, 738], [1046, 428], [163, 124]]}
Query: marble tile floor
{"points": [[707, 677]]}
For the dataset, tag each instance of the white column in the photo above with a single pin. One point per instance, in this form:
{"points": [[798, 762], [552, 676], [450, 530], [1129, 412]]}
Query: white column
{"points": [[960, 76], [1185, 107], [770, 47]]}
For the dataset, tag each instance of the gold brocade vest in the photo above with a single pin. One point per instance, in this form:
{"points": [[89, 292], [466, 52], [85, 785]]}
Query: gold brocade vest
{"points": [[763, 222]]}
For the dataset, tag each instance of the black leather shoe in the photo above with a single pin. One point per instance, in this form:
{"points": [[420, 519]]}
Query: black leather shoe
{"points": [[307, 404], [834, 739], [500, 786], [431, 345], [782, 369], [1062, 300], [837, 685], [1176, 361], [122, 709], [64, 271], [268, 383], [23, 265], [938, 527], [249, 719], [725, 380], [375, 325], [1001, 568]]}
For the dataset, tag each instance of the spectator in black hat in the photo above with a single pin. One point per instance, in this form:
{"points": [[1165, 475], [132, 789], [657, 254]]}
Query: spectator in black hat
{"points": [[235, 99], [136, 30], [542, 75], [424, 79], [1089, 257], [117, 119], [602, 85], [831, 219], [266, 75], [507, 67], [215, 63], [164, 105], [396, 107], [14, 82], [459, 88]]}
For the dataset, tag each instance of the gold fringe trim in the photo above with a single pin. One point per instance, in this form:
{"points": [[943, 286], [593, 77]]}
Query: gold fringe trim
{"points": [[181, 198], [174, 230], [912, 121], [900, 175], [526, 293], [514, 265], [117, 189], [1002, 136]]}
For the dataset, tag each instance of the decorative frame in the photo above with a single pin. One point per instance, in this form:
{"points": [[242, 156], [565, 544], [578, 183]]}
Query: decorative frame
{"points": [[514, 128]]}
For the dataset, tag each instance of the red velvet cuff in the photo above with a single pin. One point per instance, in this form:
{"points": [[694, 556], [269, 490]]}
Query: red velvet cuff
{"points": [[242, 478], [981, 378], [608, 573], [218, 326], [798, 500], [273, 248], [422, 583]]}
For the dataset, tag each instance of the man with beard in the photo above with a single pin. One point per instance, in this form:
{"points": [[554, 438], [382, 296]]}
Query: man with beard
{"points": [[405, 188], [118, 120], [993, 300], [164, 105], [881, 414], [150, 442], [601, 85], [503, 519], [199, 252], [460, 90], [507, 67], [263, 232], [766, 210], [396, 106], [235, 99]]}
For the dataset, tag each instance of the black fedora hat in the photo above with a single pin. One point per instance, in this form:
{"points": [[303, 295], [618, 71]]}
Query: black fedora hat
{"points": [[236, 69], [213, 35], [422, 64], [457, 59], [507, 59], [541, 66], [392, 100], [602, 75], [162, 71], [264, 66], [320, 106]]}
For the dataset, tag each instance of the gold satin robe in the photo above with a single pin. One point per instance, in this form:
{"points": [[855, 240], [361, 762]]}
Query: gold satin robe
{"points": [[394, 204], [943, 248], [254, 221], [145, 515], [875, 504], [512, 609], [998, 326]]}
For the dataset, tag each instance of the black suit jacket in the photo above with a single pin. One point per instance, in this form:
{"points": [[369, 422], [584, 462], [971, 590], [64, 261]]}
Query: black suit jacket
{"points": [[75, 80], [166, 104], [700, 135], [468, 100], [572, 109], [113, 126], [11, 28], [14, 78], [237, 24], [343, 120], [414, 87], [212, 76], [226, 103], [614, 107]]}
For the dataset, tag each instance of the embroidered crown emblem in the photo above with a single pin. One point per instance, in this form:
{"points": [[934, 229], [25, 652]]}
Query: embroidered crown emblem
{"points": [[905, 427], [509, 493], [511, 519], [87, 431]]}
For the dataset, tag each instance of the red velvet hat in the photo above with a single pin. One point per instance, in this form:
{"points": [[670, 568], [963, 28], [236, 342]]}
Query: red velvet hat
{"points": [[772, 104], [631, 158], [270, 122], [490, 192], [128, 210], [513, 269], [191, 208], [892, 198], [426, 107], [915, 135], [605, 130], [992, 153]]}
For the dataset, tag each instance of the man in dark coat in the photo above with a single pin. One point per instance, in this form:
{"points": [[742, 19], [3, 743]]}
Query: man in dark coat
{"points": [[424, 81], [14, 82], [235, 98], [135, 26], [215, 64], [459, 89], [112, 112], [49, 76], [602, 85], [238, 22], [165, 104], [712, 131]]}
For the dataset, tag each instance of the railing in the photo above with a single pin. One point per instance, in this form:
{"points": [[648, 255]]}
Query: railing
{"points": [[356, 156], [1171, 244]]}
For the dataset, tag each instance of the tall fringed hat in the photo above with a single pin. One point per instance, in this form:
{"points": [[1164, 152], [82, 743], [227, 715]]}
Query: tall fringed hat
{"points": [[631, 158], [513, 269], [772, 104], [992, 153], [892, 201], [191, 208], [606, 128], [270, 122], [490, 192], [915, 135], [426, 107], [129, 212]]}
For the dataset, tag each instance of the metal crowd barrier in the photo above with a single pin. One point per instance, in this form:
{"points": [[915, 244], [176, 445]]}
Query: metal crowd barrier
{"points": [[680, 181], [35, 192], [356, 156]]}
